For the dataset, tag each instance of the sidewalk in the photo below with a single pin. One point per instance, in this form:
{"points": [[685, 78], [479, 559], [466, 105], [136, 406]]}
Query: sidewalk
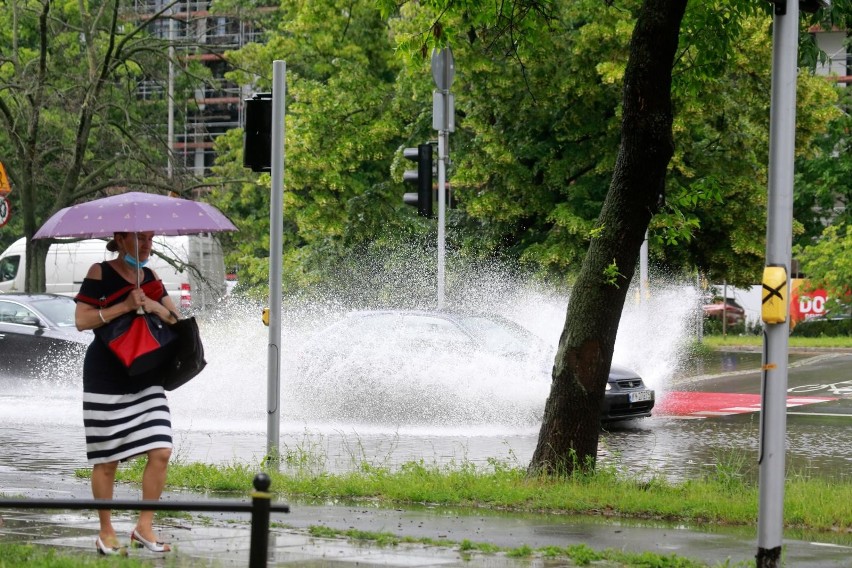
{"points": [[224, 539]]}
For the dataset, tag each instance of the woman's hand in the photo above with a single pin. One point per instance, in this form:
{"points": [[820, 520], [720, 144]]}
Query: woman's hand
{"points": [[135, 299], [153, 307]]}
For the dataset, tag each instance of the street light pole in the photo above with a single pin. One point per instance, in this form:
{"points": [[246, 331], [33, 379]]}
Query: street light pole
{"points": [[276, 251], [170, 96], [443, 72], [779, 229]]}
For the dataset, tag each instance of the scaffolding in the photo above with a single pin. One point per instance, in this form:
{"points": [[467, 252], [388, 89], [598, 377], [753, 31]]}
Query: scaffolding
{"points": [[215, 106]]}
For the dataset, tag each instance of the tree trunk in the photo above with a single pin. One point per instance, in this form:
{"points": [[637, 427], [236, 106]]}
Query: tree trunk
{"points": [[35, 277], [568, 439]]}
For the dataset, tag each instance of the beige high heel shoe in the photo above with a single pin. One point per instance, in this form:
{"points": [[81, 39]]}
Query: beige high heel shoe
{"points": [[136, 540], [105, 550]]}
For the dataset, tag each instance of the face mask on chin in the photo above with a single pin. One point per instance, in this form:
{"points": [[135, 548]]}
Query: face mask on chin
{"points": [[131, 260]]}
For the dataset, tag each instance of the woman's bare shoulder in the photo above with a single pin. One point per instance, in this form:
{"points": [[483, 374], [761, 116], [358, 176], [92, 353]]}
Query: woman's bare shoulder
{"points": [[95, 272]]}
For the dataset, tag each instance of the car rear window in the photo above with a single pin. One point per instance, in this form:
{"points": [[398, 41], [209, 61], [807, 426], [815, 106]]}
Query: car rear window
{"points": [[59, 310]]}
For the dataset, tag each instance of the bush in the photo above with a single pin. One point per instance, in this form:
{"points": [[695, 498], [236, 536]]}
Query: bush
{"points": [[824, 327], [713, 326]]}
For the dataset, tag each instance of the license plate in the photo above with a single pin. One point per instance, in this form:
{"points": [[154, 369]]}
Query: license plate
{"points": [[640, 396]]}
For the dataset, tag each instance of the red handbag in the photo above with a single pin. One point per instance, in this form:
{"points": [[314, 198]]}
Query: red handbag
{"points": [[142, 342]]}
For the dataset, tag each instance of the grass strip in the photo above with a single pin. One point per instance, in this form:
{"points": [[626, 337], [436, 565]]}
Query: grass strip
{"points": [[16, 555], [727, 341], [578, 554], [720, 497]]}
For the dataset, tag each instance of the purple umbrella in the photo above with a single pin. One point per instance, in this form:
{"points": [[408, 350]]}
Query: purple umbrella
{"points": [[135, 212]]}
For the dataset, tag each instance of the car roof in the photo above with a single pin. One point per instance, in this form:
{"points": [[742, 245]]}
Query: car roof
{"points": [[31, 297], [427, 313]]}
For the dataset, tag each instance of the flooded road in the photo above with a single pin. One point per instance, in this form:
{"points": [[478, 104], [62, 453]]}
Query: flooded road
{"points": [[220, 417], [41, 432]]}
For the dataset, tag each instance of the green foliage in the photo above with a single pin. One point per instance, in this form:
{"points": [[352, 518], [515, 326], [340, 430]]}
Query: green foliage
{"points": [[828, 265], [828, 327], [74, 123], [611, 274], [342, 130], [715, 214], [538, 97]]}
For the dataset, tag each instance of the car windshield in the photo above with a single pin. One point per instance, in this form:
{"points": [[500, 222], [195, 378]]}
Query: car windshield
{"points": [[59, 310], [500, 336], [9, 268]]}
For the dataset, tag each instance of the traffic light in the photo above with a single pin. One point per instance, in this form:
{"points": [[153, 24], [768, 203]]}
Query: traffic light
{"points": [[421, 178], [257, 144]]}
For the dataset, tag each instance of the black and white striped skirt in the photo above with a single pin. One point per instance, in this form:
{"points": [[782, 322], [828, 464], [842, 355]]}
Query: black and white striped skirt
{"points": [[121, 426]]}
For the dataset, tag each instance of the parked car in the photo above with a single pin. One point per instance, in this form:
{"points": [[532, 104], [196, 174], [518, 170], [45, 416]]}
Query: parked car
{"points": [[38, 334], [733, 312], [411, 366]]}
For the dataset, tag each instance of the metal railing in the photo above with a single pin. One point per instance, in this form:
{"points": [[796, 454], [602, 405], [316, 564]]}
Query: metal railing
{"points": [[260, 508]]}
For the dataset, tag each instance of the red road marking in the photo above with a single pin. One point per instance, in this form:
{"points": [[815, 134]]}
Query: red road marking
{"points": [[705, 404]]}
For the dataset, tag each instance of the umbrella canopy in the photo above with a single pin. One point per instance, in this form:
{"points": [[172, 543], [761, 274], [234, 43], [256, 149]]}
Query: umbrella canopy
{"points": [[135, 212]]}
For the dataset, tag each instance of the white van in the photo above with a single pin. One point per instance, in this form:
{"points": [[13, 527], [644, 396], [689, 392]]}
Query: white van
{"points": [[192, 267]]}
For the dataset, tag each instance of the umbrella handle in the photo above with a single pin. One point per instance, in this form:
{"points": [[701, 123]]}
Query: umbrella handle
{"points": [[140, 310], [136, 244]]}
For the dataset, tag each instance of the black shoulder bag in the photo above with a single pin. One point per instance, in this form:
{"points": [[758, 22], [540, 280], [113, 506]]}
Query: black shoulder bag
{"points": [[188, 360]]}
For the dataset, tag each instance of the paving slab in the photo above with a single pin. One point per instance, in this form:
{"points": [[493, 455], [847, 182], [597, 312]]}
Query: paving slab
{"points": [[223, 540]]}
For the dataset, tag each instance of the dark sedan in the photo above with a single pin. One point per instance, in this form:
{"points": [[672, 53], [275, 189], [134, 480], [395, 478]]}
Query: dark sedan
{"points": [[38, 336], [414, 366]]}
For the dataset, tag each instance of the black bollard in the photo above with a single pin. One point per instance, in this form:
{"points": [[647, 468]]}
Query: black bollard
{"points": [[260, 501]]}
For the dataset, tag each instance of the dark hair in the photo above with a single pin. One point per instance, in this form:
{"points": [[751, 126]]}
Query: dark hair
{"points": [[111, 245]]}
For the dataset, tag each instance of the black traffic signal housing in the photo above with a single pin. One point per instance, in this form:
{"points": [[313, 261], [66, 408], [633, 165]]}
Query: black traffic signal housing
{"points": [[257, 142], [421, 178]]}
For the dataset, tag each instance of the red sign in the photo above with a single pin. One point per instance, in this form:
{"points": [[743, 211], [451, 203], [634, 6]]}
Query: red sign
{"points": [[805, 303]]}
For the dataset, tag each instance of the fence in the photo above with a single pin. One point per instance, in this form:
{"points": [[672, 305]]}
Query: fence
{"points": [[260, 508]]}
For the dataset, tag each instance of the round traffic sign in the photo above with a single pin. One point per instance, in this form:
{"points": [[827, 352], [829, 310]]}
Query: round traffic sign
{"points": [[5, 211], [443, 68]]}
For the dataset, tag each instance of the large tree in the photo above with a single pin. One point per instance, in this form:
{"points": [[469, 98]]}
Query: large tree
{"points": [[662, 40], [74, 126], [568, 437]]}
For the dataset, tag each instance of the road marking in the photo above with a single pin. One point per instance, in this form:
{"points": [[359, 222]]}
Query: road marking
{"points": [[836, 414], [708, 404]]}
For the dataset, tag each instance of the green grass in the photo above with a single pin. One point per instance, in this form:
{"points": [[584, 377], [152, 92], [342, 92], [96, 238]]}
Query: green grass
{"points": [[14, 555], [726, 495], [721, 342]]}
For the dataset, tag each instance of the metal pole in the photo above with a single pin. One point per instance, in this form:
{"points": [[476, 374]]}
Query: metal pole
{"points": [[261, 501], [773, 422], [171, 95], [443, 136], [443, 154], [643, 270], [276, 227]]}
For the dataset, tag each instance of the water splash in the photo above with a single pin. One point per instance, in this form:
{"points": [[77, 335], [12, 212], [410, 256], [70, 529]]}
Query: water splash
{"points": [[459, 391]]}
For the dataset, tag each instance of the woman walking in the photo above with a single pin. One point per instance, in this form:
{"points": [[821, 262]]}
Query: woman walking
{"points": [[124, 416]]}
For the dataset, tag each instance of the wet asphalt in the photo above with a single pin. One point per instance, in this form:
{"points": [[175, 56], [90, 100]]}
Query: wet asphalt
{"points": [[224, 539]]}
